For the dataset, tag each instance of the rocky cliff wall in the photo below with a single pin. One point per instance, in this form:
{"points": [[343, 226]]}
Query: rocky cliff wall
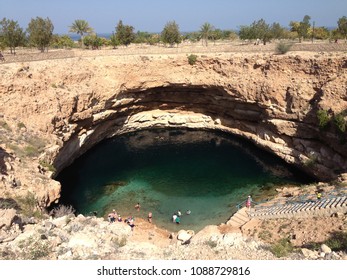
{"points": [[271, 100]]}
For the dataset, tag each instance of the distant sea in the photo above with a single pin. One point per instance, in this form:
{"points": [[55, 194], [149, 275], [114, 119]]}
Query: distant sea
{"points": [[76, 37]]}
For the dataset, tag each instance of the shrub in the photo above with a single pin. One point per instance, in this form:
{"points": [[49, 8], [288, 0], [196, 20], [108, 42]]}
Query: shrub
{"points": [[21, 125], [192, 59], [28, 205], [35, 249], [340, 123], [31, 151], [120, 241], [211, 243], [282, 248], [337, 241], [47, 165], [265, 235], [323, 118], [283, 48], [62, 210], [5, 125], [7, 203], [311, 160]]}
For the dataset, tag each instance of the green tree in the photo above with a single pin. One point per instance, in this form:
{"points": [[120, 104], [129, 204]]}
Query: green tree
{"points": [[277, 31], [321, 33], [40, 32], [335, 34], [93, 41], [81, 27], [257, 30], [304, 27], [246, 33], [206, 31], [171, 34], [294, 26], [192, 36], [125, 33], [342, 26], [12, 34], [114, 41]]}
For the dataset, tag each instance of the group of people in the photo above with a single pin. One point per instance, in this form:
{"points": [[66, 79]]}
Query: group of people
{"points": [[116, 217], [150, 214], [176, 217]]}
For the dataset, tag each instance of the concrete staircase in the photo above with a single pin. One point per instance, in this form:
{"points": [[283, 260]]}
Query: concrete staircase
{"points": [[322, 207], [239, 218], [308, 208]]}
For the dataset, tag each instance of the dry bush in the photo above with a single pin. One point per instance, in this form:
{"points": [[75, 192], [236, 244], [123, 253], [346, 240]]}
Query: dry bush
{"points": [[62, 210]]}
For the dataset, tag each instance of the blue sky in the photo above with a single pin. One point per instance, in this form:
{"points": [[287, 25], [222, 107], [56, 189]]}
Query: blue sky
{"points": [[152, 15]]}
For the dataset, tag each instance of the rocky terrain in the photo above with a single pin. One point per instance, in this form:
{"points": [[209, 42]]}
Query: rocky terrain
{"points": [[67, 237], [53, 110]]}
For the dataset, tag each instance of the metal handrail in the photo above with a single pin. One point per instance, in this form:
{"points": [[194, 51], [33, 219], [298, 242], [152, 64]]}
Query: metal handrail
{"points": [[240, 205]]}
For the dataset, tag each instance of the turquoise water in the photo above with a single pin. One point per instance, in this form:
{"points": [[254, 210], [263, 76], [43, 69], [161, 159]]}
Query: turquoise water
{"points": [[166, 171]]}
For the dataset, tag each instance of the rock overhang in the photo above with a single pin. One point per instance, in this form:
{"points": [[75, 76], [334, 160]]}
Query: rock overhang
{"points": [[269, 100]]}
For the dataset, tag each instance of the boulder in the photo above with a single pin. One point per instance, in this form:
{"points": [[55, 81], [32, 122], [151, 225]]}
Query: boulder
{"points": [[6, 217], [61, 222], [309, 254], [325, 249], [83, 239], [184, 236], [217, 122]]}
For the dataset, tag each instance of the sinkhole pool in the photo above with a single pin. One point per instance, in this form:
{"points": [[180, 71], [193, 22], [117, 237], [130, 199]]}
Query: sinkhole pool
{"points": [[165, 171]]}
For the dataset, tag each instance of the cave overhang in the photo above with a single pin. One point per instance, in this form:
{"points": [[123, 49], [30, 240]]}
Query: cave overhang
{"points": [[195, 107]]}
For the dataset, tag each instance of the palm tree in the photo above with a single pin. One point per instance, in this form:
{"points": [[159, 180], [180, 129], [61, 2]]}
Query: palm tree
{"points": [[206, 31], [81, 27]]}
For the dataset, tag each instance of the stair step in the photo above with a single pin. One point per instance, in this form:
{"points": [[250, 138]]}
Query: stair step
{"points": [[337, 201], [343, 201], [319, 205], [285, 208], [312, 205], [324, 205], [296, 207]]}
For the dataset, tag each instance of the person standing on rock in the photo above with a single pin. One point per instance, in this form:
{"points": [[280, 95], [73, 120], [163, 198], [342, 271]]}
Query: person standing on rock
{"points": [[249, 202]]}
